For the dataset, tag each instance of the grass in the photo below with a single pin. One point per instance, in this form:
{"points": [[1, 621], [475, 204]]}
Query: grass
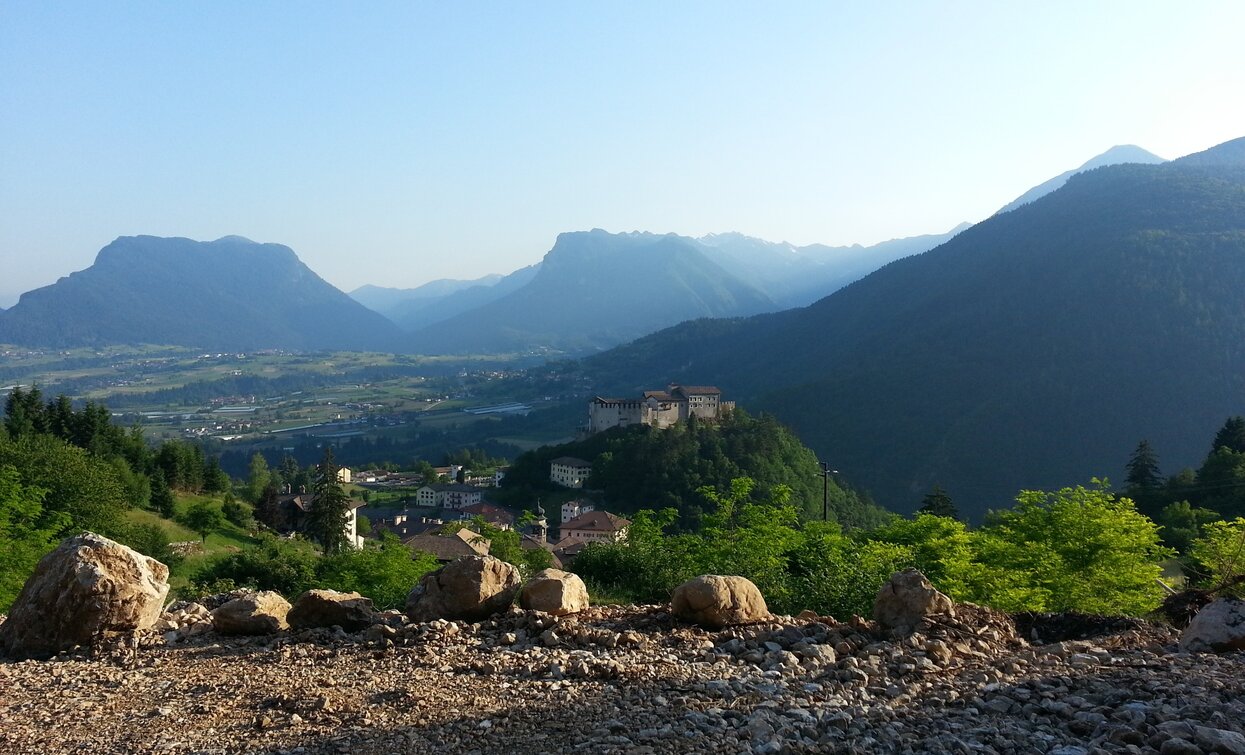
{"points": [[230, 539]]}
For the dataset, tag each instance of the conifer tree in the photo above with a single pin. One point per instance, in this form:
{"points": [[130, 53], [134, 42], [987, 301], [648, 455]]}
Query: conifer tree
{"points": [[330, 508], [938, 503], [1143, 468], [1231, 436]]}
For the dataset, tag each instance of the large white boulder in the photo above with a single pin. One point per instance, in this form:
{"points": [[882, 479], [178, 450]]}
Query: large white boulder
{"points": [[86, 587], [261, 612], [555, 592], [715, 601], [1217, 628], [470, 588], [906, 599]]}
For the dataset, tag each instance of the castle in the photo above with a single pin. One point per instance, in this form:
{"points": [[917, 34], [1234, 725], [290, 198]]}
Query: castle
{"points": [[659, 409]]}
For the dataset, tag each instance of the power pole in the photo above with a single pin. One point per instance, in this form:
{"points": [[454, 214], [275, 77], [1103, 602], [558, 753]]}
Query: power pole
{"points": [[826, 471]]}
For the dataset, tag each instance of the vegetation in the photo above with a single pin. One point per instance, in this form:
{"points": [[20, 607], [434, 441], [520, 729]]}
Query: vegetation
{"points": [[639, 467], [1079, 549]]}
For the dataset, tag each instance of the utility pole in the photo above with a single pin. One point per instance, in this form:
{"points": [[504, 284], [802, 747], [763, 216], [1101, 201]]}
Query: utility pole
{"points": [[826, 471]]}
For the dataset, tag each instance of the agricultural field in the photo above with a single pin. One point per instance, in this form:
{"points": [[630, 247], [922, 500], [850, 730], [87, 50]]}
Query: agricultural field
{"points": [[277, 402]]}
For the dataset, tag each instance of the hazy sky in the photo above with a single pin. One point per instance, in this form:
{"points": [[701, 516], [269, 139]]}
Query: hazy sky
{"points": [[397, 143]]}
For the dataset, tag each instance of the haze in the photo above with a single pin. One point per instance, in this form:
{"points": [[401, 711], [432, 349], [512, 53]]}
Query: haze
{"points": [[398, 143]]}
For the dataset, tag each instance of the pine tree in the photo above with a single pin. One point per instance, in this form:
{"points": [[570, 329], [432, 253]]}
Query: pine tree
{"points": [[1143, 468], [1231, 436], [161, 497], [937, 503], [330, 507]]}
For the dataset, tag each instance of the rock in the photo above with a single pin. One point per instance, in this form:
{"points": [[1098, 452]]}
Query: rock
{"points": [[1219, 627], [471, 588], [326, 608], [714, 601], [87, 586], [257, 613], [555, 592], [906, 599]]}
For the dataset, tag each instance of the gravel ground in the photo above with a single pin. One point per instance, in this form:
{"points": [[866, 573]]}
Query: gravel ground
{"points": [[632, 680]]}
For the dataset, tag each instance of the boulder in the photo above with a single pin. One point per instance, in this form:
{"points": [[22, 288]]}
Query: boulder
{"points": [[555, 592], [1219, 627], [257, 613], [714, 601], [906, 599], [88, 586], [470, 588], [325, 608]]}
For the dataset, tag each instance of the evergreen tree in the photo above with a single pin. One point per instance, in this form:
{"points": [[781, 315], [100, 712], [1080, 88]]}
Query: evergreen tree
{"points": [[1143, 468], [937, 503], [1231, 436], [330, 507], [267, 508], [214, 478], [162, 499]]}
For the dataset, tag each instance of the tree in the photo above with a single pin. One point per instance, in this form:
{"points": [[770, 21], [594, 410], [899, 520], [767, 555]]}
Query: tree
{"points": [[1143, 468], [257, 477], [330, 507], [383, 571], [204, 518], [1075, 549], [75, 482], [27, 532], [937, 503], [236, 512], [426, 471], [214, 478], [162, 500], [1231, 436], [1221, 553]]}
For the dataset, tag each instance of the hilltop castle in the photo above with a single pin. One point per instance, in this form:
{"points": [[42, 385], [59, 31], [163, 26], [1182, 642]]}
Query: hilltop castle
{"points": [[658, 408]]}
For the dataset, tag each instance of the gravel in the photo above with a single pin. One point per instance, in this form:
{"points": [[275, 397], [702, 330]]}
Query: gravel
{"points": [[628, 679]]}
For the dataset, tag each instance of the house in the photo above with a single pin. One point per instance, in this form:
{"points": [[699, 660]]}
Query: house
{"points": [[592, 527], [494, 515], [569, 472], [401, 523], [446, 548], [344, 475], [660, 409], [447, 496], [291, 516], [572, 509]]}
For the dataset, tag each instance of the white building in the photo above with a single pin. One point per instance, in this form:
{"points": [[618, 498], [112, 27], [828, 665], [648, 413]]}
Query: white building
{"points": [[569, 472], [572, 509]]}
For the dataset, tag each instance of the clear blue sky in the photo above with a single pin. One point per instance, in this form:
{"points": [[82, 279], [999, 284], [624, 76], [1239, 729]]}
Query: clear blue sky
{"points": [[397, 143]]}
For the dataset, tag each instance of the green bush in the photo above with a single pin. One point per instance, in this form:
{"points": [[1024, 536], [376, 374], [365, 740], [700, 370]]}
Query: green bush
{"points": [[287, 566], [384, 572]]}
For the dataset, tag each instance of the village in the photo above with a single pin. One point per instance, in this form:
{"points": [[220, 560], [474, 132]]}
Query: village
{"points": [[439, 511]]}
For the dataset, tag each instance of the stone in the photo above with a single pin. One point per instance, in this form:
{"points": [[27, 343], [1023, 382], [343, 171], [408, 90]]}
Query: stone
{"points": [[257, 613], [714, 601], [326, 608], [554, 592], [471, 588], [1219, 627], [87, 586], [906, 599]]}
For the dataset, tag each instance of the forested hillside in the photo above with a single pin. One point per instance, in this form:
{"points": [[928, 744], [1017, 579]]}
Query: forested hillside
{"points": [[641, 467], [1025, 352]]}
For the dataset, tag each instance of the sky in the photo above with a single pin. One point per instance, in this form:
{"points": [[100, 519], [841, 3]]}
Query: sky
{"points": [[397, 143]]}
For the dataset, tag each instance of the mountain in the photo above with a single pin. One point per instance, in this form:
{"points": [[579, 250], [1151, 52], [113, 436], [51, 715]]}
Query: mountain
{"points": [[594, 290], [380, 298], [415, 308], [1119, 154], [1034, 349], [231, 293], [796, 276], [414, 313]]}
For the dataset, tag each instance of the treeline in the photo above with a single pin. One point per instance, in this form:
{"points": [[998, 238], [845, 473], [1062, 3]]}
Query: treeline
{"points": [[640, 467], [1076, 549], [65, 469], [1190, 501]]}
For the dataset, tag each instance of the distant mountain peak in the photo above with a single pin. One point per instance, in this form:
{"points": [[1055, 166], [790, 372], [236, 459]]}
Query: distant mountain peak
{"points": [[1120, 153]]}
